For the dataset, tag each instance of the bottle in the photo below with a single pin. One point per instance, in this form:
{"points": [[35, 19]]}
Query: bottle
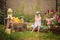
{"points": [[22, 20]]}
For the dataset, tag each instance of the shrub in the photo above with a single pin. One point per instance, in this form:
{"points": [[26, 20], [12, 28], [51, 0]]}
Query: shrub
{"points": [[1, 17], [27, 17]]}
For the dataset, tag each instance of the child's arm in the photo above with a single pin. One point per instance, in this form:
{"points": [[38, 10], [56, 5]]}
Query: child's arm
{"points": [[40, 18]]}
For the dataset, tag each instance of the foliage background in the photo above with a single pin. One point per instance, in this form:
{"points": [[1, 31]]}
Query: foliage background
{"points": [[1, 17]]}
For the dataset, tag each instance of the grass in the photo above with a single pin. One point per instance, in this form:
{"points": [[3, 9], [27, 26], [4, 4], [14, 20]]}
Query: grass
{"points": [[27, 35], [1, 25]]}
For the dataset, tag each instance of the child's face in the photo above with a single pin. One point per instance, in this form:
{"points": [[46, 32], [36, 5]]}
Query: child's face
{"points": [[37, 16]]}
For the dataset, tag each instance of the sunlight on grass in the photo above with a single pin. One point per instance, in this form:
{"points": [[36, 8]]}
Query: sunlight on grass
{"points": [[28, 35], [36, 36]]}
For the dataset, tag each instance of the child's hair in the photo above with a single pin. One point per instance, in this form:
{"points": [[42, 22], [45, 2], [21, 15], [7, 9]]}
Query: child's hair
{"points": [[37, 14]]}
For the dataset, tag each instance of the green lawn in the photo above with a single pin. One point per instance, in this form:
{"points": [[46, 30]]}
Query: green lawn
{"points": [[36, 36], [28, 35]]}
